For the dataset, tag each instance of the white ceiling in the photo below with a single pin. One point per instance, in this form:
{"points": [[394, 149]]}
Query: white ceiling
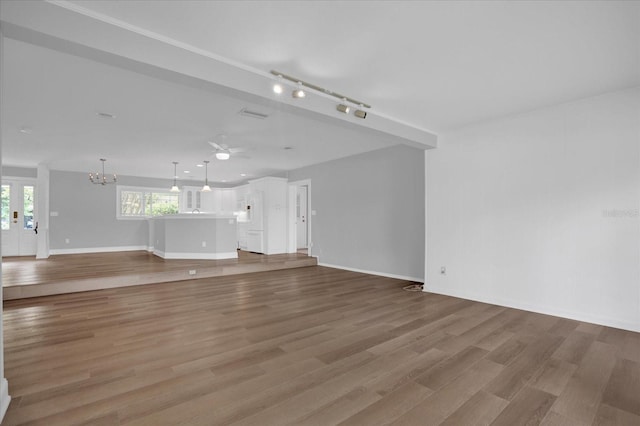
{"points": [[432, 65], [58, 96]]}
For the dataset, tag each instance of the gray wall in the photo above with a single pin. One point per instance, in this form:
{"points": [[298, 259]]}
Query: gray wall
{"points": [[87, 213], [24, 172], [370, 211]]}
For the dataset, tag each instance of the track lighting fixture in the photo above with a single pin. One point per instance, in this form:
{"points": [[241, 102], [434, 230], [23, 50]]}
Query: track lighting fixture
{"points": [[360, 113], [299, 93], [175, 188], [343, 108], [206, 187]]}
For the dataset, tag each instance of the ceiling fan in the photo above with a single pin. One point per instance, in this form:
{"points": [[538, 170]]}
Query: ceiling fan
{"points": [[222, 150]]}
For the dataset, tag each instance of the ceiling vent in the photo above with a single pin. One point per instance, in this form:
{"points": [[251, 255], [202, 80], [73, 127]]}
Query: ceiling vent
{"points": [[253, 114]]}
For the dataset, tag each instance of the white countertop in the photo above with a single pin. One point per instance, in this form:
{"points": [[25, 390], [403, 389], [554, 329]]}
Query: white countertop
{"points": [[195, 216]]}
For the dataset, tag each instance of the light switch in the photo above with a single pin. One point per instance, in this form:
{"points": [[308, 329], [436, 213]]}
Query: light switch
{"points": [[313, 212], [53, 214]]}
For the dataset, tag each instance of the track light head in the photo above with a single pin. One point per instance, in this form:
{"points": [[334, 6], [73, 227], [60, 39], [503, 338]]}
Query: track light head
{"points": [[343, 108], [360, 113], [298, 93]]}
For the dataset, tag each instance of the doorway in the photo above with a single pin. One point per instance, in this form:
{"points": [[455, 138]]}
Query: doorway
{"points": [[302, 218], [300, 239], [17, 220]]}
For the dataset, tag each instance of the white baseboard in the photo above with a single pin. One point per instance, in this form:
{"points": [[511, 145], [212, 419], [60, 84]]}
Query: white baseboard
{"points": [[197, 256], [577, 316], [5, 399], [96, 250], [382, 274]]}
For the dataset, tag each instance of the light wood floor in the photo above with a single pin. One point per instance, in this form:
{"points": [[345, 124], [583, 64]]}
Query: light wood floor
{"points": [[308, 346]]}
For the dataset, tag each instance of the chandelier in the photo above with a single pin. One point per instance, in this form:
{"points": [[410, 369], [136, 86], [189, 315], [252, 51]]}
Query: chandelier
{"points": [[101, 179]]}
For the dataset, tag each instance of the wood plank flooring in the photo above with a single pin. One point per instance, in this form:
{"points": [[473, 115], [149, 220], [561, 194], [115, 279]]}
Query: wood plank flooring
{"points": [[24, 277], [308, 346]]}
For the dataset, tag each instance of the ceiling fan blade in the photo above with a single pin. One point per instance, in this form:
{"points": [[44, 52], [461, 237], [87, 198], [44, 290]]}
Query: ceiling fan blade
{"points": [[216, 146], [237, 149]]}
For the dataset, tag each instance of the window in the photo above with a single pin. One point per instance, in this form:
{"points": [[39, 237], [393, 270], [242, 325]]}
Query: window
{"points": [[27, 212], [6, 206], [145, 202]]}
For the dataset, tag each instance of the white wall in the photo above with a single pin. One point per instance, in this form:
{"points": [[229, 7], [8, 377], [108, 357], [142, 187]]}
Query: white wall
{"points": [[540, 211], [370, 211], [5, 399]]}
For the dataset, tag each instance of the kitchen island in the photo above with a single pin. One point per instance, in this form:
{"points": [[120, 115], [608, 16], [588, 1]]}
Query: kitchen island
{"points": [[193, 236]]}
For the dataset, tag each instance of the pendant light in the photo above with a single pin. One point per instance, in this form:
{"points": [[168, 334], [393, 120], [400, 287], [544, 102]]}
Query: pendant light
{"points": [[175, 188], [101, 179], [206, 187]]}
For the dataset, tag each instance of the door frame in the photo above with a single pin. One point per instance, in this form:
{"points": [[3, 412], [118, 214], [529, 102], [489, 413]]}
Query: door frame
{"points": [[24, 181], [292, 241]]}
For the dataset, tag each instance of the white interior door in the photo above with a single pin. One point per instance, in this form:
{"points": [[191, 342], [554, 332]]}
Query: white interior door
{"points": [[302, 216], [18, 218]]}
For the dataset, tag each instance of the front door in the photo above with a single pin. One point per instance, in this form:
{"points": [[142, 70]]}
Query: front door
{"points": [[18, 220]]}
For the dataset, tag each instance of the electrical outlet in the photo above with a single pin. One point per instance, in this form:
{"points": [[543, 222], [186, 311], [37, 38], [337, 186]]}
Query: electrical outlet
{"points": [[443, 270], [192, 271], [204, 244], [66, 241]]}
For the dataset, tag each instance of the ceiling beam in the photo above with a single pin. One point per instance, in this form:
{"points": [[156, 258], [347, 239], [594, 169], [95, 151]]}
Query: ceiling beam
{"points": [[72, 29]]}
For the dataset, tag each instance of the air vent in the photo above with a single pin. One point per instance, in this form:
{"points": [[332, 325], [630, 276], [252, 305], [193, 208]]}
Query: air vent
{"points": [[105, 115], [253, 114]]}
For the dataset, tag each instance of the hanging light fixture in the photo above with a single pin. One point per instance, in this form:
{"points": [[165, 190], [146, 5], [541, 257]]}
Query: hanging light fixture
{"points": [[98, 179], [223, 155], [206, 187], [175, 188]]}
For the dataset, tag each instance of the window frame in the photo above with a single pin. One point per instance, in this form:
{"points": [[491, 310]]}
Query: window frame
{"points": [[145, 191]]}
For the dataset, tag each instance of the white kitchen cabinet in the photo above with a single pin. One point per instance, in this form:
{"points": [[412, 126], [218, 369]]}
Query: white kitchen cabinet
{"points": [[215, 197], [206, 202], [228, 200], [191, 199], [267, 217], [242, 235], [241, 197], [255, 241]]}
